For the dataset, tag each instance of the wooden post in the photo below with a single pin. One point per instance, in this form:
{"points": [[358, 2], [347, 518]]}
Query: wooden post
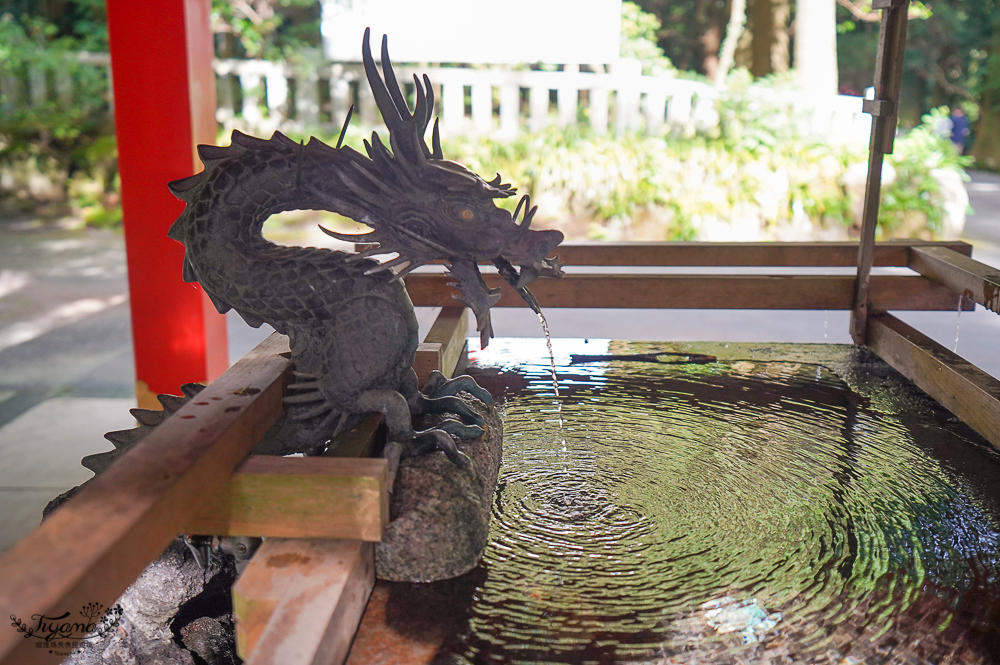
{"points": [[482, 105], [884, 109], [510, 109], [567, 98], [538, 108], [161, 54], [299, 602], [93, 547], [598, 100]]}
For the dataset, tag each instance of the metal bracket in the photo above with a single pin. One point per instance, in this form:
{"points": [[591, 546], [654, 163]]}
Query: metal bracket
{"points": [[877, 107]]}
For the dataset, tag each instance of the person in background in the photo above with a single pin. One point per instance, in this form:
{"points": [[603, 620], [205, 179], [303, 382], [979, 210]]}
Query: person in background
{"points": [[959, 128]]}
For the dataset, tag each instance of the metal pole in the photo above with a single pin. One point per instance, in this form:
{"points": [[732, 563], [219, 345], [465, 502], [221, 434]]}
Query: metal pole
{"points": [[884, 110]]}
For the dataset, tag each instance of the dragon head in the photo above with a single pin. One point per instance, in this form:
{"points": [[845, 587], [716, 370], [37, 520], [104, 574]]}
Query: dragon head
{"points": [[426, 208]]}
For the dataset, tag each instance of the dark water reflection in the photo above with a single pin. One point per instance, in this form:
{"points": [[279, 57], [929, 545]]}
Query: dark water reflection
{"points": [[785, 504]]}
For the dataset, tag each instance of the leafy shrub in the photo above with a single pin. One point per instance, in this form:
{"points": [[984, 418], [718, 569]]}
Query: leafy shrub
{"points": [[66, 132]]}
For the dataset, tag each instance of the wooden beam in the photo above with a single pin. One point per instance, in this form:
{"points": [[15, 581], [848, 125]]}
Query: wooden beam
{"points": [[800, 254], [450, 329], [429, 357], [974, 280], [444, 348], [958, 385], [299, 602], [795, 254], [95, 545], [829, 292], [362, 440], [299, 497]]}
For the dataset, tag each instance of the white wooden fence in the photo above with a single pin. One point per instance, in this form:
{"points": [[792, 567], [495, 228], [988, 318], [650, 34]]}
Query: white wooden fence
{"points": [[260, 96], [503, 101]]}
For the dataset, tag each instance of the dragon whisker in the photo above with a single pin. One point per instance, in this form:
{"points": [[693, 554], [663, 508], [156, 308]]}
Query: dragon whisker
{"points": [[382, 267], [371, 251], [408, 269], [350, 237]]}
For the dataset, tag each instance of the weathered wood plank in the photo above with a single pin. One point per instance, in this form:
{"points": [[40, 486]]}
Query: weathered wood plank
{"points": [[958, 385], [833, 292], [797, 254], [93, 547], [381, 640], [427, 359], [299, 497], [361, 440], [450, 329], [816, 254], [300, 601], [972, 279], [444, 347]]}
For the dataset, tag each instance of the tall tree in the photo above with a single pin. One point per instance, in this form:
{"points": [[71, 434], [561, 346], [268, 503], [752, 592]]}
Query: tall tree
{"points": [[816, 45], [760, 17]]}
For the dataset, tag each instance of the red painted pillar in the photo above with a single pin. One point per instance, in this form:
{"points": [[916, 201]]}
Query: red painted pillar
{"points": [[164, 88]]}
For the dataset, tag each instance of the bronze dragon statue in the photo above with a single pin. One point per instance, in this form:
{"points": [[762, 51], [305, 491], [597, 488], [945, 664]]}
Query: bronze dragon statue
{"points": [[350, 322]]}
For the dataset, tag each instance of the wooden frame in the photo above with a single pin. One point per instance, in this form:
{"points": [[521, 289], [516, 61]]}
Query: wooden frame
{"points": [[101, 539], [94, 546]]}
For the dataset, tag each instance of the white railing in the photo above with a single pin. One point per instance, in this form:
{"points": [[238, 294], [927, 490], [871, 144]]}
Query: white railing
{"points": [[503, 101], [260, 96], [480, 100]]}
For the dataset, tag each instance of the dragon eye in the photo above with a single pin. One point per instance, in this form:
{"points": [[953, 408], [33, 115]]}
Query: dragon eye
{"points": [[467, 215]]}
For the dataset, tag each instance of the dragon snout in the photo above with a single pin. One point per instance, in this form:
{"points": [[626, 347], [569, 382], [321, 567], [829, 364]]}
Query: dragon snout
{"points": [[529, 252]]}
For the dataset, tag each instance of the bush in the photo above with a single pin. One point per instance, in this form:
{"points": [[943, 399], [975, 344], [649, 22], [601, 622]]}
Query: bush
{"points": [[64, 134]]}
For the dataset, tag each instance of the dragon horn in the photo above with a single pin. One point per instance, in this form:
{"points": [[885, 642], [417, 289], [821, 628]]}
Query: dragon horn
{"points": [[383, 98], [392, 83], [430, 105], [420, 115]]}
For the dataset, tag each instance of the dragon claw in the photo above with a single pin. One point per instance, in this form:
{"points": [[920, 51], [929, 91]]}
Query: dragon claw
{"points": [[461, 430], [441, 440]]}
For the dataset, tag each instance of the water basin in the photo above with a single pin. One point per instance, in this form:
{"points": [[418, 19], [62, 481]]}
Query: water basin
{"points": [[785, 503]]}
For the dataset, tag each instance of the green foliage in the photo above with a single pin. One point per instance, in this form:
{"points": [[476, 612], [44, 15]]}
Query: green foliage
{"points": [[32, 45], [69, 130], [638, 37], [915, 157], [760, 175], [270, 29], [951, 56]]}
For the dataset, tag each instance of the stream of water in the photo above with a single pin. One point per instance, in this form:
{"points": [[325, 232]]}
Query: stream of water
{"points": [[555, 376], [784, 504]]}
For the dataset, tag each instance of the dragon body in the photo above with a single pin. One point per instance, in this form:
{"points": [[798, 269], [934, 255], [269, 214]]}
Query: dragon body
{"points": [[350, 322]]}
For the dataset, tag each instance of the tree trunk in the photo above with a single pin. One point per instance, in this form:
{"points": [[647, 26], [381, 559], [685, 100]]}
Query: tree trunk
{"points": [[816, 46], [781, 12], [986, 148], [737, 19], [711, 39], [760, 17]]}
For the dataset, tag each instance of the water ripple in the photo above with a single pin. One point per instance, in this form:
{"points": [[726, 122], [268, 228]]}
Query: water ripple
{"points": [[710, 513]]}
